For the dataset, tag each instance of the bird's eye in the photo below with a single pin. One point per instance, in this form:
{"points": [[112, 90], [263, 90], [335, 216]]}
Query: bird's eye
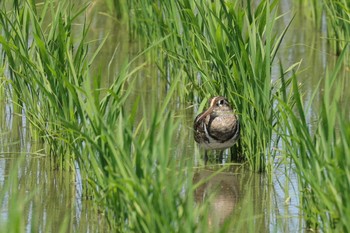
{"points": [[221, 102]]}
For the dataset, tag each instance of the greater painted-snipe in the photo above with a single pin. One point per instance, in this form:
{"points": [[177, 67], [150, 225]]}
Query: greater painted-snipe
{"points": [[216, 128]]}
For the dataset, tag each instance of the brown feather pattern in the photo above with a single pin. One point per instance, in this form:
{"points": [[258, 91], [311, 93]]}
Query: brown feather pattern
{"points": [[218, 126]]}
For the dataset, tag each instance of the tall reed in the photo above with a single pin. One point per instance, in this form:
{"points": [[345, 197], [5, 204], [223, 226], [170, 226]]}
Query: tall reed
{"points": [[127, 166], [322, 157], [222, 48], [43, 61], [333, 19], [338, 24], [142, 186]]}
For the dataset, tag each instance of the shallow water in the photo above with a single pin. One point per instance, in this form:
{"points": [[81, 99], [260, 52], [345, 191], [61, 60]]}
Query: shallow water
{"points": [[240, 193], [58, 198], [49, 199]]}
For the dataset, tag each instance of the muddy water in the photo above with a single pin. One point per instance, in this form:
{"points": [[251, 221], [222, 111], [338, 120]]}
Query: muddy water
{"points": [[57, 201]]}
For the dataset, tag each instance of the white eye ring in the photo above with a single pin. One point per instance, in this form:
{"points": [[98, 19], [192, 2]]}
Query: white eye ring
{"points": [[221, 103]]}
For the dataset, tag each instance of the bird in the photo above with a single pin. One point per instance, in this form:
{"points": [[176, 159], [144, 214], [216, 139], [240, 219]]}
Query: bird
{"points": [[218, 127]]}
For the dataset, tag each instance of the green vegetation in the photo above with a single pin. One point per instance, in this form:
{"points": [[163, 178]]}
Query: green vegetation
{"points": [[338, 17], [21, 203], [123, 146], [322, 157], [126, 165], [44, 65], [335, 16], [15, 207], [223, 48]]}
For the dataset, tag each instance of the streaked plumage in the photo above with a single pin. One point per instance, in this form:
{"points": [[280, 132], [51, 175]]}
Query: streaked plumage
{"points": [[217, 127]]}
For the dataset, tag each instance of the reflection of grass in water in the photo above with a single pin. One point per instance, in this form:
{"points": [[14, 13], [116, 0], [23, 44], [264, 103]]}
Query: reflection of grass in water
{"points": [[34, 197], [14, 203], [21, 212]]}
